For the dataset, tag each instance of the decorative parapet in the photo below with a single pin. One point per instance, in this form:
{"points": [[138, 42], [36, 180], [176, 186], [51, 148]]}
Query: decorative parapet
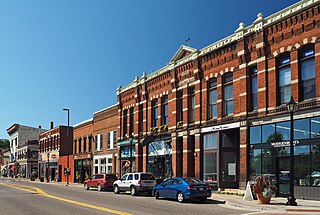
{"points": [[242, 31]]}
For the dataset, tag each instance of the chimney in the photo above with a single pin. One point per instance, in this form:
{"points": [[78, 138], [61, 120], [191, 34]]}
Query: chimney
{"points": [[51, 125]]}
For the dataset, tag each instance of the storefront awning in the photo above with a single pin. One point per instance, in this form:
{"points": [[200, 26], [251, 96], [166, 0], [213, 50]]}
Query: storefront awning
{"points": [[12, 168]]}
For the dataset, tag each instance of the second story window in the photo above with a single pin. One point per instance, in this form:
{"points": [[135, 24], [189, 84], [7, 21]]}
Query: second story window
{"points": [[228, 94], [284, 79], [307, 73], [212, 89], [192, 105], [253, 71], [125, 122], [90, 144], [164, 111], [84, 144], [108, 140], [79, 145], [131, 128], [179, 106], [154, 110], [114, 140]]}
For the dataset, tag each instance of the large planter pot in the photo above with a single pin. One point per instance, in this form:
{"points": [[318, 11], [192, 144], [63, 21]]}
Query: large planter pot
{"points": [[262, 199]]}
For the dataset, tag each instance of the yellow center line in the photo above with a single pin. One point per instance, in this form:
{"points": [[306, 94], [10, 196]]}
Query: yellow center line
{"points": [[41, 192]]}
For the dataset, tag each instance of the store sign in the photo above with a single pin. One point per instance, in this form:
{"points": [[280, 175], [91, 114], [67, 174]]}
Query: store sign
{"points": [[221, 127], [284, 143]]}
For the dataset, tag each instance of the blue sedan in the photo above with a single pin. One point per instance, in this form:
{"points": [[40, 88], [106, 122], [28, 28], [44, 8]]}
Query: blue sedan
{"points": [[182, 189]]}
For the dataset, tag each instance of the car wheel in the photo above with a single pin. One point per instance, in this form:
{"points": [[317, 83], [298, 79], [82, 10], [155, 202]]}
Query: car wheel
{"points": [[157, 195], [180, 197], [99, 187], [86, 186], [133, 190], [116, 189]]}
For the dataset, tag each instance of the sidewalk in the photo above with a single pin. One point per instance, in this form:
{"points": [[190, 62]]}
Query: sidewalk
{"points": [[277, 205]]}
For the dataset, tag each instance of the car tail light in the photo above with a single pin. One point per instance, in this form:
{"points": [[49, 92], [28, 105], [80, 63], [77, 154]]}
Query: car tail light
{"points": [[191, 188], [139, 182]]}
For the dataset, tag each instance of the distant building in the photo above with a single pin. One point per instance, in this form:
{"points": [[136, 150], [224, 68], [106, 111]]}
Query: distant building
{"points": [[55, 154], [19, 137], [83, 150], [105, 125]]}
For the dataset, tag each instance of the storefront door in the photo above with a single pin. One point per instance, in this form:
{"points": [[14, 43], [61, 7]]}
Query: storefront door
{"points": [[283, 175]]}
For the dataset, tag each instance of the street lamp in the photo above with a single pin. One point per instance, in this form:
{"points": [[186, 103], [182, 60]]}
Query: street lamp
{"points": [[48, 155], [131, 140], [291, 107], [67, 109]]}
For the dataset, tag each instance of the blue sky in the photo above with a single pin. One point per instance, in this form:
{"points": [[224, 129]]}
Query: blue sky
{"points": [[74, 54]]}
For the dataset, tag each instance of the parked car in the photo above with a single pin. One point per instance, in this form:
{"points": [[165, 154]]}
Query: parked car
{"points": [[100, 181], [135, 183], [182, 189]]}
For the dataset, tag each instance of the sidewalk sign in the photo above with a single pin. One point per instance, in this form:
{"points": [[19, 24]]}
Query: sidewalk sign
{"points": [[248, 194]]}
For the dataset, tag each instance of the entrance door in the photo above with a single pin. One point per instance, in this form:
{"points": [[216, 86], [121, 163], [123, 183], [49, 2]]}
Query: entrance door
{"points": [[283, 175]]}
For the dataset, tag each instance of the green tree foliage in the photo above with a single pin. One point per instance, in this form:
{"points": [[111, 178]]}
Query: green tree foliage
{"points": [[4, 144]]}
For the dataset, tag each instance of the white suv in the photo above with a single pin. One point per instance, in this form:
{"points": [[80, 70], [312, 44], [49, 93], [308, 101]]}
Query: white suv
{"points": [[135, 182]]}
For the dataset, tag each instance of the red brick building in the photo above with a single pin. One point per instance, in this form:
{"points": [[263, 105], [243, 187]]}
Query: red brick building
{"points": [[200, 114], [83, 150], [105, 125], [56, 154]]}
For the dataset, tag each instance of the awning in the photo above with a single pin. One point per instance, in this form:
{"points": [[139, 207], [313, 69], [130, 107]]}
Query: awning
{"points": [[12, 168]]}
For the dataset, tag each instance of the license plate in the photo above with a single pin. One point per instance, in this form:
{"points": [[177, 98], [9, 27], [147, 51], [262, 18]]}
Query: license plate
{"points": [[201, 188]]}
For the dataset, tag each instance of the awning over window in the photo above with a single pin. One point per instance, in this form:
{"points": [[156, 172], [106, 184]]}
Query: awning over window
{"points": [[12, 168]]}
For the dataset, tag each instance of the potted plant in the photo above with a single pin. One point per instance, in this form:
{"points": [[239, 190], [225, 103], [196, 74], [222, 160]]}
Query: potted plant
{"points": [[264, 187]]}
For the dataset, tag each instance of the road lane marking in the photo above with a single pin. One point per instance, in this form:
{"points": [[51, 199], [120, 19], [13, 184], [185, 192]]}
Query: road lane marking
{"points": [[41, 192]]}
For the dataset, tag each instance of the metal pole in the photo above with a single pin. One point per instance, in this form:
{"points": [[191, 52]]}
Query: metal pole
{"points": [[291, 199], [130, 154], [48, 166], [68, 149]]}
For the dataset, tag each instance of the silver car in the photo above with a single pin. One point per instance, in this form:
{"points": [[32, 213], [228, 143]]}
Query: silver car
{"points": [[135, 183]]}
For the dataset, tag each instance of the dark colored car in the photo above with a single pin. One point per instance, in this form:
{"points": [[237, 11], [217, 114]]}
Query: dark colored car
{"points": [[100, 181], [182, 189]]}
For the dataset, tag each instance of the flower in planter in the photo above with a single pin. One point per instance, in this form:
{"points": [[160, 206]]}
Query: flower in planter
{"points": [[264, 184]]}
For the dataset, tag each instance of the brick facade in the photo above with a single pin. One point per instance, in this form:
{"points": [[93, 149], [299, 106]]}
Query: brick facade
{"points": [[190, 73]]}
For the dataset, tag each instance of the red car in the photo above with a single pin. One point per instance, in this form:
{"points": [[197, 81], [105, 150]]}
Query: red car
{"points": [[100, 181]]}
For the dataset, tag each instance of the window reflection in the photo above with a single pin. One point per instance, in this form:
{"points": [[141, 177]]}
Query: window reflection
{"points": [[301, 129], [268, 133]]}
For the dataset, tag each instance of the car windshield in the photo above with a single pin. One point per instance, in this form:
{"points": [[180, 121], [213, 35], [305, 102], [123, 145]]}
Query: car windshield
{"points": [[193, 181], [147, 177]]}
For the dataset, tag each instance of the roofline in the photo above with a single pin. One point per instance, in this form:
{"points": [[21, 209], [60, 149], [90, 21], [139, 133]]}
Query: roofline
{"points": [[99, 111], [83, 122], [242, 31]]}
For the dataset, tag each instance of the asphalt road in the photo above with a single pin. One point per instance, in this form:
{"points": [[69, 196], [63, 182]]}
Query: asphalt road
{"points": [[18, 197]]}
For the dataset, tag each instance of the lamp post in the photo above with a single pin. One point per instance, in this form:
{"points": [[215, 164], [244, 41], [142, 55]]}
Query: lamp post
{"points": [[48, 155], [291, 107], [67, 109], [131, 140]]}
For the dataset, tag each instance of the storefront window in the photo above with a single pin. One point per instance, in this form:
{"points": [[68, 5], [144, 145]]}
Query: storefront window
{"points": [[268, 133], [283, 151], [255, 134], [301, 129], [315, 166], [283, 131], [301, 150], [211, 141], [302, 170], [210, 166], [315, 127]]}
